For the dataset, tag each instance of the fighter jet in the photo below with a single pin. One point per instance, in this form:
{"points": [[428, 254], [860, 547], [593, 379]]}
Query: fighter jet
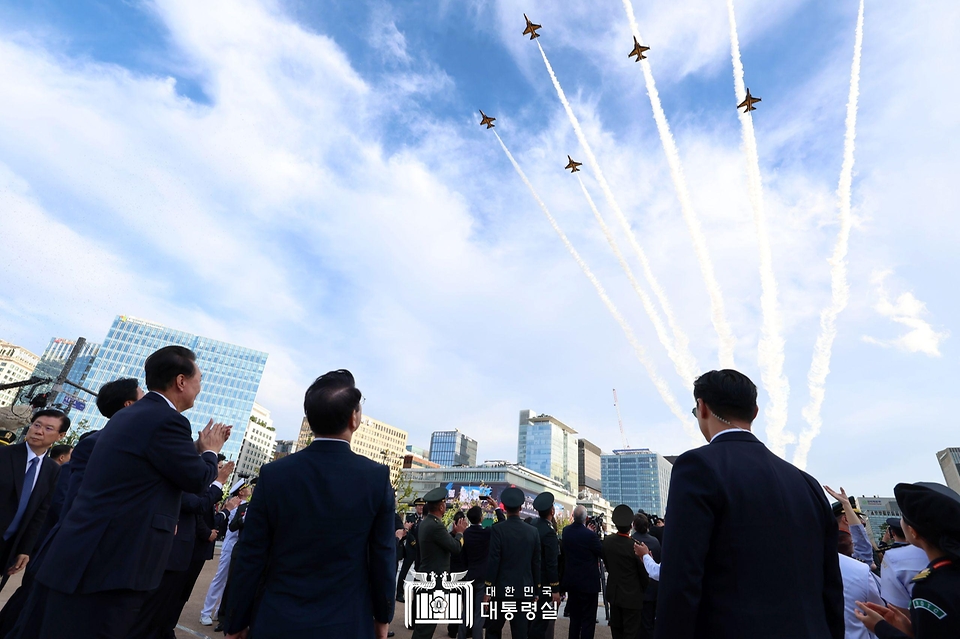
{"points": [[749, 102], [573, 166], [486, 119], [638, 50], [531, 28]]}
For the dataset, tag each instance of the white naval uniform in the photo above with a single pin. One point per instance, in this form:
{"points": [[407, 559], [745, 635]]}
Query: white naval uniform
{"points": [[859, 584], [899, 567], [212, 601]]}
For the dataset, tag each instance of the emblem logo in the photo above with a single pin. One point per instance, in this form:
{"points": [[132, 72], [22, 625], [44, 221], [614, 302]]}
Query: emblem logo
{"points": [[428, 603]]}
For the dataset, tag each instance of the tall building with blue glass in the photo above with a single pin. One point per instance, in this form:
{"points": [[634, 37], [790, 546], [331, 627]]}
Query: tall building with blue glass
{"points": [[639, 478], [53, 360], [548, 446], [231, 373], [452, 448]]}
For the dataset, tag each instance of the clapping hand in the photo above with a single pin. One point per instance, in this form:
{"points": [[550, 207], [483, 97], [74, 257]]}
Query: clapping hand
{"points": [[871, 614], [460, 526], [232, 503], [213, 437], [225, 471]]}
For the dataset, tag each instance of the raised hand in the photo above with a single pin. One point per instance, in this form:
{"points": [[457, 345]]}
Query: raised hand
{"points": [[225, 471], [841, 496], [213, 436]]}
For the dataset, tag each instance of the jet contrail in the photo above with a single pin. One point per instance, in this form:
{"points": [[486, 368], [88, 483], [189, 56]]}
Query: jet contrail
{"points": [[682, 344], [658, 381], [839, 287], [770, 350], [686, 374], [717, 312]]}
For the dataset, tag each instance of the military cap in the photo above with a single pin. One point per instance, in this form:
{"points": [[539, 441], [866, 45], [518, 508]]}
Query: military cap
{"points": [[543, 502], [838, 508], [623, 516], [894, 522], [7, 437], [237, 485], [419, 501], [933, 509], [435, 495], [512, 497]]}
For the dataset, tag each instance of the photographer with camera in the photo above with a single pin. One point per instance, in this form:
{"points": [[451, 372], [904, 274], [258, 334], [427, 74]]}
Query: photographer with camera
{"points": [[581, 576]]}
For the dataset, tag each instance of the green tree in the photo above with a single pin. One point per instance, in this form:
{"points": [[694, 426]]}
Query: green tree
{"points": [[72, 436]]}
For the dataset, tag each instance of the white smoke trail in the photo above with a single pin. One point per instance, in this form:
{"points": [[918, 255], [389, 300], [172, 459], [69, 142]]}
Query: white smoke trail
{"points": [[681, 343], [658, 381], [717, 312], [685, 373], [840, 288], [770, 350]]}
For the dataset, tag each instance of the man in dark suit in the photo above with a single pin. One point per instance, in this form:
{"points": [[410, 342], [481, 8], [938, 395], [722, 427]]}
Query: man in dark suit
{"points": [[324, 580], [549, 593], [27, 482], [115, 540], [733, 508], [513, 568], [581, 574], [436, 545], [161, 611], [476, 548], [626, 577], [24, 610], [642, 533]]}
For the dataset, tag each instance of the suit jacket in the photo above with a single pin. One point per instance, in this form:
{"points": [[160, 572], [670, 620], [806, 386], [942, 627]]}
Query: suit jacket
{"points": [[192, 507], [13, 467], [626, 577], [514, 558], [549, 554], [319, 534], [654, 545], [436, 545], [476, 548], [208, 521], [749, 550], [119, 531], [581, 550]]}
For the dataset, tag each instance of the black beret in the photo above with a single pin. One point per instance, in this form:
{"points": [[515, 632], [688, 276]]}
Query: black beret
{"points": [[543, 502], [933, 509], [512, 497], [435, 495], [623, 516]]}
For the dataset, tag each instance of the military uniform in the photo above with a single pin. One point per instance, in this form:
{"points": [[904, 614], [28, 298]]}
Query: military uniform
{"points": [[513, 569], [541, 628], [933, 509], [436, 545], [626, 577], [410, 551]]}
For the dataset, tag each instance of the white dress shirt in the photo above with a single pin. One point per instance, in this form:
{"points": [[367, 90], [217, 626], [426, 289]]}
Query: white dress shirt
{"points": [[899, 567], [859, 584], [653, 568], [729, 430]]}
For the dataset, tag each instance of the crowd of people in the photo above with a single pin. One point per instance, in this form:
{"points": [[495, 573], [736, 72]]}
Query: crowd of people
{"points": [[112, 536]]}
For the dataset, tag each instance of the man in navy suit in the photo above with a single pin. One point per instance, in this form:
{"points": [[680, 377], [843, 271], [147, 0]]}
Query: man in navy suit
{"points": [[114, 542], [476, 549], [27, 481], [751, 547], [320, 577], [581, 574]]}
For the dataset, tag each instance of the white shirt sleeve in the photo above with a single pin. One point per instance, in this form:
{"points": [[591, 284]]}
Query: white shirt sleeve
{"points": [[653, 568]]}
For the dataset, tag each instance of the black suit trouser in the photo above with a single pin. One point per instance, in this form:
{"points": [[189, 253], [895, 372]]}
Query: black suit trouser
{"points": [[404, 569], [624, 622], [583, 614], [647, 618], [11, 610], [155, 611], [519, 625], [98, 615]]}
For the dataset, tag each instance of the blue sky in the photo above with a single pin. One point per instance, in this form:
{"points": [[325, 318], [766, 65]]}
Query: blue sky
{"points": [[309, 179]]}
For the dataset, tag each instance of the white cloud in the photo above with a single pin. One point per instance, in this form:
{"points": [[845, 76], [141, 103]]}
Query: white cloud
{"points": [[906, 310]]}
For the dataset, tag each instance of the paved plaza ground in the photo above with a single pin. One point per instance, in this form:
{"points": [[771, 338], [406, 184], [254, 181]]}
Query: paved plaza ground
{"points": [[190, 627]]}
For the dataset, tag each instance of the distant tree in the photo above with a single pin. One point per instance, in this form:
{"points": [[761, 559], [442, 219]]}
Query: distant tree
{"points": [[72, 436]]}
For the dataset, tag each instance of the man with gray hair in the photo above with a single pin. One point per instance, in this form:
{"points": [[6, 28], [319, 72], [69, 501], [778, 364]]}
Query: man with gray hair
{"points": [[581, 576]]}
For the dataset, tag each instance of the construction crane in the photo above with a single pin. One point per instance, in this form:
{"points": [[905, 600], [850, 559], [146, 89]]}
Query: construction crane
{"points": [[619, 420]]}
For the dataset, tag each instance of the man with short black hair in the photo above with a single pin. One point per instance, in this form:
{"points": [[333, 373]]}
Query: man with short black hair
{"points": [[642, 533], [27, 481], [114, 541], [60, 453], [733, 507], [549, 593], [476, 549], [324, 580]]}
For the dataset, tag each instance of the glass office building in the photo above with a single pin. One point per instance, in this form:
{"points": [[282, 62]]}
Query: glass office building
{"points": [[452, 448], [52, 362], [548, 446], [638, 478], [231, 374]]}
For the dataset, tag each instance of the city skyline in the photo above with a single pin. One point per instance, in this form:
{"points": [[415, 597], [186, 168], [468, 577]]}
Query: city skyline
{"points": [[352, 213]]}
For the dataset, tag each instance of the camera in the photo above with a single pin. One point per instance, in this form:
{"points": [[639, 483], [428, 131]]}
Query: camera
{"points": [[598, 523]]}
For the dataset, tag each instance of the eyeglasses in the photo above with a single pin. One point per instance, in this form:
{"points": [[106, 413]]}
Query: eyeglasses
{"points": [[693, 411], [46, 429]]}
